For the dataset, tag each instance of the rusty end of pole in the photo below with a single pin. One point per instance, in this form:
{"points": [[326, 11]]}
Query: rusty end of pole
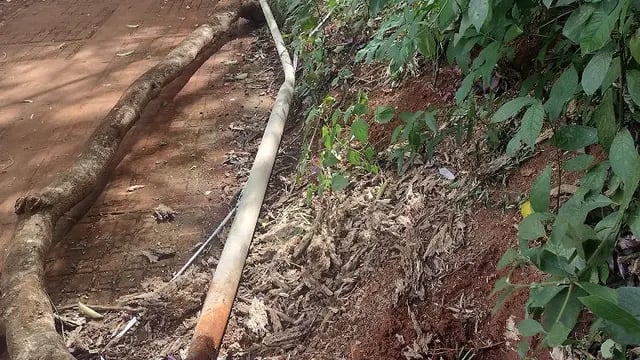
{"points": [[207, 337]]}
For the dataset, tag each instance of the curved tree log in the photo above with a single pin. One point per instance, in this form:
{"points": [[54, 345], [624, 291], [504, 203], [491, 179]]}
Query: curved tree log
{"points": [[26, 308]]}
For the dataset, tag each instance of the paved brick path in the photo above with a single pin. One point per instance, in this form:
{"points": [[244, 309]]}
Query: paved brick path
{"points": [[60, 76]]}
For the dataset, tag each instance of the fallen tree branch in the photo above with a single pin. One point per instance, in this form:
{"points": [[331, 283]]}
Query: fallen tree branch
{"points": [[26, 308], [106, 308], [212, 323]]}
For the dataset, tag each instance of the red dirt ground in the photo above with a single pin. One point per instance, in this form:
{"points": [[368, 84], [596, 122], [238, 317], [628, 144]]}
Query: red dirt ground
{"points": [[374, 329], [63, 73]]}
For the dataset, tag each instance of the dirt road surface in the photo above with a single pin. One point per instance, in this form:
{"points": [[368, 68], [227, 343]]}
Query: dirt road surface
{"points": [[64, 63]]}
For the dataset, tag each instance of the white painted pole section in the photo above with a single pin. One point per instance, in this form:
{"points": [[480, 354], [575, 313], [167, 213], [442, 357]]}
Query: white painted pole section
{"points": [[224, 285]]}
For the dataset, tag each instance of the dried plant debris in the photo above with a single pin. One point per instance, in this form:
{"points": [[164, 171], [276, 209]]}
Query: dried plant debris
{"points": [[133, 188], [308, 259], [161, 330], [304, 268], [163, 213], [156, 254], [302, 272], [626, 261]]}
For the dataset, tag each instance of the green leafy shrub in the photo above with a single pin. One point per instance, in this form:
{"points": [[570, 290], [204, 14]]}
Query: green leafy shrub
{"points": [[582, 80], [345, 145]]}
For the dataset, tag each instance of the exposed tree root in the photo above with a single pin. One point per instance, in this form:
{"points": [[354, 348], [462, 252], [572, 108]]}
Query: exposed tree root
{"points": [[27, 311]]}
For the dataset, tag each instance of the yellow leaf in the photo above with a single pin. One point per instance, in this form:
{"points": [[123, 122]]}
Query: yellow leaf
{"points": [[89, 312], [526, 209]]}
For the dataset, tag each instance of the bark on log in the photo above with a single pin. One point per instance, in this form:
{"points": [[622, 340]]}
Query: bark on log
{"points": [[26, 308]]}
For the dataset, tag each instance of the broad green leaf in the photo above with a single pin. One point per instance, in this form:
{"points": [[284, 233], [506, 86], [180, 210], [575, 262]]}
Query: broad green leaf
{"points": [[514, 145], [539, 296], [576, 236], [532, 124], [575, 23], [531, 83], [551, 263], [612, 312], [353, 157], [426, 45], [562, 91], [633, 85], [596, 70], [462, 54], [369, 153], [560, 315], [529, 327], [604, 292], [329, 160], [579, 163], [628, 300], [360, 109], [395, 135], [512, 33], [531, 227], [540, 191], [596, 33], [507, 259], [447, 14], [513, 107], [339, 182], [547, 3], [594, 179], [574, 137], [607, 229], [523, 348], [605, 121], [614, 185], [410, 117], [612, 75], [603, 272], [347, 114], [504, 296], [430, 121], [634, 46], [465, 24], [327, 139], [485, 63], [478, 12], [376, 5], [625, 161], [596, 202], [384, 114], [465, 88], [501, 284], [634, 221], [360, 130]]}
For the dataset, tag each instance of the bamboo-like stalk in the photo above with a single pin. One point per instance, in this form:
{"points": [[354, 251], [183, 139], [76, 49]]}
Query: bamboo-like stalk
{"points": [[212, 323]]}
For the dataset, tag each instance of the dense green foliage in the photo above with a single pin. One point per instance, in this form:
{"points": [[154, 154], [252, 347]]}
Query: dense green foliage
{"points": [[578, 66]]}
